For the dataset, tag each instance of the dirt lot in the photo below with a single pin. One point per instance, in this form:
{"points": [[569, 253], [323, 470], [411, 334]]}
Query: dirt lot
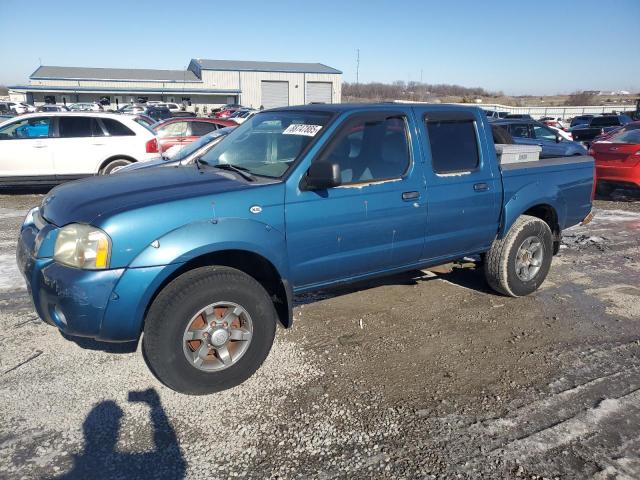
{"points": [[423, 375]]}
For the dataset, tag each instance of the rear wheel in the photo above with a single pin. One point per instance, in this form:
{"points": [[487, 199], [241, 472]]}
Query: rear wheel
{"points": [[208, 330], [517, 264], [114, 165]]}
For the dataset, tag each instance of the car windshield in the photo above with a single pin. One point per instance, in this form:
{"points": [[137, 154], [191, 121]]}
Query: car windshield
{"points": [[268, 143], [627, 136]]}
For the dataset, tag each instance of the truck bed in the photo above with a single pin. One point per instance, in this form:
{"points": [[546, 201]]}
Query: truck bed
{"points": [[563, 182]]}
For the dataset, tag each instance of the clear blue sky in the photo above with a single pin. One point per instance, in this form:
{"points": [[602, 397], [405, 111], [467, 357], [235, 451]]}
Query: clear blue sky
{"points": [[533, 47]]}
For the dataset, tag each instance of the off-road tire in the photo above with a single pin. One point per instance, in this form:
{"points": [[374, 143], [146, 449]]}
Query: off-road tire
{"points": [[176, 305], [113, 164], [500, 260]]}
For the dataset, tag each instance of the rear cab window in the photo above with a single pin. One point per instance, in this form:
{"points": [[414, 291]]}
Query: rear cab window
{"points": [[453, 143]]}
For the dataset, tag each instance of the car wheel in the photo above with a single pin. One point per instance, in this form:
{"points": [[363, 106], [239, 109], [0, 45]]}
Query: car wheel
{"points": [[114, 165], [604, 189], [208, 330], [517, 264]]}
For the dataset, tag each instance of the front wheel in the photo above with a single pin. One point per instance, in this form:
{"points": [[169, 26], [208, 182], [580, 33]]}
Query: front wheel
{"points": [[517, 264], [208, 330]]}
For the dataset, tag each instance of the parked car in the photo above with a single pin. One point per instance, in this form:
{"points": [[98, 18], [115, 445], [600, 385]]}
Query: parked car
{"points": [[242, 115], [182, 114], [518, 116], [556, 122], [144, 120], [17, 108], [85, 107], [226, 111], [606, 135], [52, 108], [157, 112], [564, 134], [495, 114], [530, 132], [617, 160], [580, 120], [598, 125], [132, 108], [182, 131], [224, 107], [49, 148], [6, 110], [182, 155], [206, 258]]}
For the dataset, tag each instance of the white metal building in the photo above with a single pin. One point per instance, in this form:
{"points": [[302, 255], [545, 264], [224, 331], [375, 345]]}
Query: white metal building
{"points": [[204, 85]]}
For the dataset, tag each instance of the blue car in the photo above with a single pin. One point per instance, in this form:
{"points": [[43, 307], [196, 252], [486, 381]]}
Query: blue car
{"points": [[203, 260], [530, 132]]}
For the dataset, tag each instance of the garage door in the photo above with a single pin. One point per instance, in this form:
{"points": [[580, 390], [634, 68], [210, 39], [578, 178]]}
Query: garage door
{"points": [[319, 92], [275, 94]]}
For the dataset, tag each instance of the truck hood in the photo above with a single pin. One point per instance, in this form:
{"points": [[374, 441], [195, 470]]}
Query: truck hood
{"points": [[89, 200]]}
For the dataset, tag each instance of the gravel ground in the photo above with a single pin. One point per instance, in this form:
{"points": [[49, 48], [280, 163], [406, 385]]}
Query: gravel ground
{"points": [[423, 375]]}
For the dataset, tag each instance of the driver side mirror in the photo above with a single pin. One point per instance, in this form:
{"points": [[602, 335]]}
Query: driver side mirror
{"points": [[558, 138], [322, 175]]}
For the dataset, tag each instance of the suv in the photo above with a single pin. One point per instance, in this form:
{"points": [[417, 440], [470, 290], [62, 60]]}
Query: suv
{"points": [[598, 125], [47, 149]]}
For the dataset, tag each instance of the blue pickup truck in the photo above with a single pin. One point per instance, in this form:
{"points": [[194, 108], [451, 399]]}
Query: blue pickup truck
{"points": [[203, 260]]}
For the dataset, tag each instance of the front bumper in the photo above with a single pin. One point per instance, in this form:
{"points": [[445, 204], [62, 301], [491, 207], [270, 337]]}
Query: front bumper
{"points": [[73, 300]]}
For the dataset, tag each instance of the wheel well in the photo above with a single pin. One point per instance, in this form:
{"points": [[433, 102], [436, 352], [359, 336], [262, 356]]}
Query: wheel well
{"points": [[550, 216], [250, 263], [115, 157]]}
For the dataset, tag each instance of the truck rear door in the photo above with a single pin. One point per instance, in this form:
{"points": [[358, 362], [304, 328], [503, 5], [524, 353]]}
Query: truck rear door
{"points": [[464, 188]]}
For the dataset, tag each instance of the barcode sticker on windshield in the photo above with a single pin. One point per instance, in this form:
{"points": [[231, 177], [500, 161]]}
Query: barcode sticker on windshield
{"points": [[301, 129]]}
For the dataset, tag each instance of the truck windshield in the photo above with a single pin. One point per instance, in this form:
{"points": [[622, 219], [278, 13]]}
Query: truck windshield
{"points": [[269, 143]]}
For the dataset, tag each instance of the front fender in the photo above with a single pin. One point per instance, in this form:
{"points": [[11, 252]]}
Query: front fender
{"points": [[529, 196], [208, 236], [147, 272]]}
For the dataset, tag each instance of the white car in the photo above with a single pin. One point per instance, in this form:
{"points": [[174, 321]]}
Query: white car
{"points": [[562, 133], [19, 108], [50, 148], [85, 107]]}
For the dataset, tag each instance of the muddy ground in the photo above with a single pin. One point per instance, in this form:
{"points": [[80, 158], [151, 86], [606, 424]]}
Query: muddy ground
{"points": [[422, 375]]}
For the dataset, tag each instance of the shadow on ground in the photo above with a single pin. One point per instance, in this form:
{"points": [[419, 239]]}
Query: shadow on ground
{"points": [[100, 458]]}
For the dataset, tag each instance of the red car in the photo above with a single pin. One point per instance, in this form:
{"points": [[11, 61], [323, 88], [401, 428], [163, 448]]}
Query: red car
{"points": [[617, 160], [607, 135], [182, 131]]}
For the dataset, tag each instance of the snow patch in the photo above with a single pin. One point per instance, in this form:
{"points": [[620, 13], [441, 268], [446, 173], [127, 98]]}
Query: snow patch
{"points": [[12, 213], [10, 278]]}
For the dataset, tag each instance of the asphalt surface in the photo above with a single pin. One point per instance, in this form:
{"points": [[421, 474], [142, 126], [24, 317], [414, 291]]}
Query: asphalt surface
{"points": [[422, 375]]}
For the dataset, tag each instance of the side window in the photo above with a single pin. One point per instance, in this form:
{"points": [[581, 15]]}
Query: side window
{"points": [[454, 146], [520, 130], [543, 133], [370, 149], [117, 129], [202, 128], [29, 128], [175, 129], [77, 127]]}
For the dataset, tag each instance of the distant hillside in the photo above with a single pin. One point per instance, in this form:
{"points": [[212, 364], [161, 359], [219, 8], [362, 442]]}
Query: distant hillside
{"points": [[413, 91]]}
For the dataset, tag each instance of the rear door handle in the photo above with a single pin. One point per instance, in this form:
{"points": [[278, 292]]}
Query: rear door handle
{"points": [[481, 187], [407, 196]]}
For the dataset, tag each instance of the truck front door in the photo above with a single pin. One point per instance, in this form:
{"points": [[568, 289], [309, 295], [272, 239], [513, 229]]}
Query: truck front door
{"points": [[375, 220], [464, 189]]}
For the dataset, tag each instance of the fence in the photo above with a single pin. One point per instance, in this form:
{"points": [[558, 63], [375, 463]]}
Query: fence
{"points": [[561, 111]]}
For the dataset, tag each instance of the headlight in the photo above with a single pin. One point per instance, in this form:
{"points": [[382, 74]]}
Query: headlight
{"points": [[82, 246]]}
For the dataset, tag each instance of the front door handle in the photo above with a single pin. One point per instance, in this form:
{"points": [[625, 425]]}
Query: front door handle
{"points": [[481, 187], [407, 196]]}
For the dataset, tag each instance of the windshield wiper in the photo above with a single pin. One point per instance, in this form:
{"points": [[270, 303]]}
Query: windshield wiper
{"points": [[243, 172]]}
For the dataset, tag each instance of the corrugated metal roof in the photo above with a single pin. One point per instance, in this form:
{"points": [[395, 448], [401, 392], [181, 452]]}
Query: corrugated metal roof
{"points": [[86, 73], [235, 65]]}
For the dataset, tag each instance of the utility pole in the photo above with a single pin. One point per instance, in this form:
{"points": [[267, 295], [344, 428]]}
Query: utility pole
{"points": [[357, 66], [421, 76]]}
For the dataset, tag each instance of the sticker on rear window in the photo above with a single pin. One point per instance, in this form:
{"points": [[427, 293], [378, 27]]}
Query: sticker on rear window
{"points": [[301, 129]]}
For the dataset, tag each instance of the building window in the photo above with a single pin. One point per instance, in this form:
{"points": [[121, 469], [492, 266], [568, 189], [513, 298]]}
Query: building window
{"points": [[50, 99], [186, 101]]}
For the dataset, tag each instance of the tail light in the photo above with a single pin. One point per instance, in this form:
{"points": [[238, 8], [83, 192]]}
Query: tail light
{"points": [[152, 145]]}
